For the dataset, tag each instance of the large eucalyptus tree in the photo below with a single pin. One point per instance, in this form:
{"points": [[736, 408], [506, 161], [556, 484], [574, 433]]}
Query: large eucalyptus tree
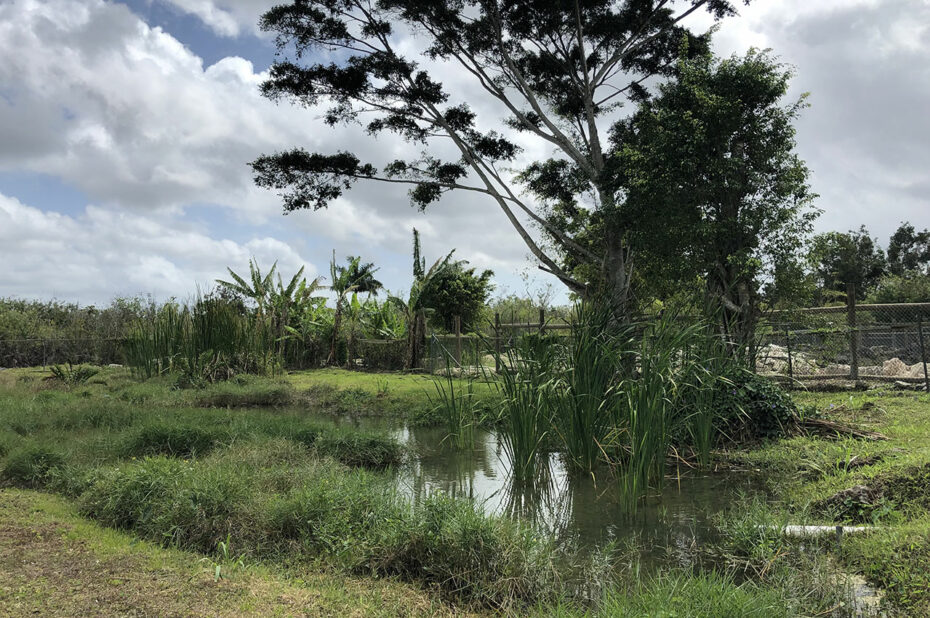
{"points": [[559, 70]]}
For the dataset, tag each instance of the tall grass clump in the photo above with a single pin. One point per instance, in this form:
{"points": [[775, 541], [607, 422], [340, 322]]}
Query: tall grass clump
{"points": [[457, 407], [212, 340], [176, 440], [584, 396], [526, 418], [30, 467], [650, 403], [360, 449]]}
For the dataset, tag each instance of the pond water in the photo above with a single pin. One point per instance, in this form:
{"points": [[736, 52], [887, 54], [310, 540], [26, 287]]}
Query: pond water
{"points": [[584, 511]]}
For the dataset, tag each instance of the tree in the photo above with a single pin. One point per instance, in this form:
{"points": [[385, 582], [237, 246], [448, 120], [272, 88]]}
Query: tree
{"points": [[457, 290], [355, 277], [840, 259], [909, 250], [715, 147], [560, 70]]}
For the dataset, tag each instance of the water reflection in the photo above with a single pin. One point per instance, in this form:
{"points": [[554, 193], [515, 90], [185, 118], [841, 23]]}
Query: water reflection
{"points": [[581, 511]]}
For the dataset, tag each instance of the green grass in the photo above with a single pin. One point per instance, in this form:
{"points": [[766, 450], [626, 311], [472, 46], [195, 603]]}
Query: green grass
{"points": [[806, 470], [55, 562], [252, 476]]}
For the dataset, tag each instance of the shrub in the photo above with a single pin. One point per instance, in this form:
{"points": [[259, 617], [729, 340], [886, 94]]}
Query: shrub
{"points": [[30, 467], [749, 404], [174, 440]]}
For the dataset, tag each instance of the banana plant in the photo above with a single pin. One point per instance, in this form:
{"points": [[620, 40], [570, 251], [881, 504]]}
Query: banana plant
{"points": [[353, 278], [260, 289]]}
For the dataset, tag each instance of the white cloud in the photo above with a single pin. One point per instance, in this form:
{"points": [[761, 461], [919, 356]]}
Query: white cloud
{"points": [[103, 252], [227, 17], [92, 95]]}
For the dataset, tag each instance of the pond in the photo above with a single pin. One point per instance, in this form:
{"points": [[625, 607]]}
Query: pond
{"points": [[581, 510]]}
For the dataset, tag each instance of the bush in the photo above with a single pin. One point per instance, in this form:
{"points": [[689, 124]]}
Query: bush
{"points": [[31, 467], [173, 440], [754, 406]]}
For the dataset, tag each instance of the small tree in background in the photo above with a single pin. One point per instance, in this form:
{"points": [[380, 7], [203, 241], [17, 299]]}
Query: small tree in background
{"points": [[350, 279], [909, 251], [413, 306], [839, 259], [456, 290]]}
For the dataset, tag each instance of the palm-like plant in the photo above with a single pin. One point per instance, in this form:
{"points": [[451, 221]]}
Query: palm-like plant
{"points": [[276, 302], [413, 308], [259, 289], [350, 279]]}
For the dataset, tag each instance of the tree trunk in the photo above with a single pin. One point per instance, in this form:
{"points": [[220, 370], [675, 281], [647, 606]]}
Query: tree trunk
{"points": [[337, 322]]}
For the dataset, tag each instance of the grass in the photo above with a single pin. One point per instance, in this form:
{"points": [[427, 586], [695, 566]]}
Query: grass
{"points": [[232, 486], [54, 562], [807, 470]]}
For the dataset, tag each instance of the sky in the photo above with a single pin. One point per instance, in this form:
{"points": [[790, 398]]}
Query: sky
{"points": [[126, 129]]}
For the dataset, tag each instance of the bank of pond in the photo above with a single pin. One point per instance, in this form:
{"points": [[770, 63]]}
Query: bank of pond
{"points": [[315, 476]]}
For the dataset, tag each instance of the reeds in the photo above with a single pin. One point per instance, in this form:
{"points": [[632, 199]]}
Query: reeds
{"points": [[456, 406], [526, 418], [206, 342]]}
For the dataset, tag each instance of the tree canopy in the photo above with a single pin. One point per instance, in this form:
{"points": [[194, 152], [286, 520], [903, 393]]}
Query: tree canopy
{"points": [[559, 70], [839, 259], [714, 191]]}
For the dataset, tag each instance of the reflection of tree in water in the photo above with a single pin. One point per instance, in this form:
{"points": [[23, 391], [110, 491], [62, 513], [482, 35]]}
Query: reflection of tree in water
{"points": [[440, 466]]}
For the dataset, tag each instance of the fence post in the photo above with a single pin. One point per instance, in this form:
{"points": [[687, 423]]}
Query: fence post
{"points": [[542, 321], [853, 332], [497, 343], [458, 340], [923, 354], [788, 347]]}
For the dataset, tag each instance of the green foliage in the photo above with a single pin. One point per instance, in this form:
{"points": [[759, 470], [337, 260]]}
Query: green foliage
{"points": [[458, 409], [583, 398], [31, 466], [71, 375], [44, 332], [705, 595], [209, 341], [557, 100], [840, 259], [526, 415], [175, 440], [232, 395], [749, 405], [909, 251], [357, 448], [907, 287], [715, 147], [456, 290]]}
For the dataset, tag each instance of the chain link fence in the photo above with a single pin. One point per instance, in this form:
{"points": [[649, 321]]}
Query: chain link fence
{"points": [[868, 343], [34, 352], [854, 343]]}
